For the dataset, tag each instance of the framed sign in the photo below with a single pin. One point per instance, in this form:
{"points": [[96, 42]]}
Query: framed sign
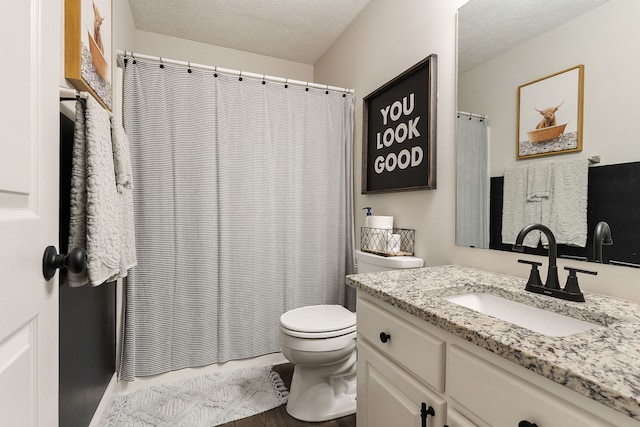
{"points": [[550, 114], [87, 38], [399, 132]]}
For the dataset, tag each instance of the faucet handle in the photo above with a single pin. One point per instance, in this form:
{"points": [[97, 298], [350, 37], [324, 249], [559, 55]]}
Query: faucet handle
{"points": [[572, 281], [534, 275]]}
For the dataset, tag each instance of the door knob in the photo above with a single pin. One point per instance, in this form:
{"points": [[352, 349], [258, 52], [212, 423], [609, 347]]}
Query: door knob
{"points": [[75, 261], [384, 337]]}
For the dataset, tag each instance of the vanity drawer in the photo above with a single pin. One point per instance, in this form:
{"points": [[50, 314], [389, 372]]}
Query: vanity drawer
{"points": [[500, 398], [418, 351]]}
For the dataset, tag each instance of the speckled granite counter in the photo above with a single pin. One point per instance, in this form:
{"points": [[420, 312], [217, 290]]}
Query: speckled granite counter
{"points": [[602, 364]]}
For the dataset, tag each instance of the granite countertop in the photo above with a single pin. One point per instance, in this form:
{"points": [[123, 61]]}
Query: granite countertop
{"points": [[602, 363]]}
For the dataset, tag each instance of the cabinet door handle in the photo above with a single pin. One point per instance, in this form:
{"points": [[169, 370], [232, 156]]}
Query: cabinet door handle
{"points": [[425, 412], [384, 337], [525, 423]]}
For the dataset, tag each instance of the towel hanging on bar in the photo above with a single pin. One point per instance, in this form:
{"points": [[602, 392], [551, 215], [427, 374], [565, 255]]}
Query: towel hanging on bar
{"points": [[100, 196]]}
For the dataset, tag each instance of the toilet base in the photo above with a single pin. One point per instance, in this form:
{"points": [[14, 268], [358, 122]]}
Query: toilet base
{"points": [[315, 397]]}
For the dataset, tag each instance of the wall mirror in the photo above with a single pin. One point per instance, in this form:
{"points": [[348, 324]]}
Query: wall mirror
{"points": [[503, 44]]}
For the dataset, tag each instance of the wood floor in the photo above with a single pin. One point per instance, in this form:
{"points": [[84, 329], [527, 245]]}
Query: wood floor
{"points": [[278, 417]]}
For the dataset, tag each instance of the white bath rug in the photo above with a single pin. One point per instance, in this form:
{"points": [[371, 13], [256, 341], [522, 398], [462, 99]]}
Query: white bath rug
{"points": [[207, 400]]}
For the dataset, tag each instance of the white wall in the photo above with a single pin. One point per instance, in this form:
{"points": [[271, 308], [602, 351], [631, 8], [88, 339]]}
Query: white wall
{"points": [[124, 38], [206, 54], [386, 39]]}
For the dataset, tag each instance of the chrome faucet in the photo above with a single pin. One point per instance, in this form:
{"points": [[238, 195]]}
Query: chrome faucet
{"points": [[601, 236], [552, 272]]}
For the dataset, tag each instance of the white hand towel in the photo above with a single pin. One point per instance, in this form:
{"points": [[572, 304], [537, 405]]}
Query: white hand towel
{"points": [[538, 182], [515, 211], [566, 211], [124, 185], [78, 212], [95, 220]]}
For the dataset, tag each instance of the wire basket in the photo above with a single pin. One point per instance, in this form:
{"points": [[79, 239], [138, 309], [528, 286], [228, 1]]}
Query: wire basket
{"points": [[388, 242]]}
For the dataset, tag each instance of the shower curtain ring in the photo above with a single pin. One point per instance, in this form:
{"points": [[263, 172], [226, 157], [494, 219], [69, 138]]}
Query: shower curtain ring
{"points": [[286, 82], [161, 64], [326, 92], [189, 67], [307, 88], [263, 82], [215, 71], [240, 78]]}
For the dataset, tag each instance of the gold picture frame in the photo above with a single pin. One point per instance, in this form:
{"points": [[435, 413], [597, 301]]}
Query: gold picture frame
{"points": [[550, 112], [88, 47]]}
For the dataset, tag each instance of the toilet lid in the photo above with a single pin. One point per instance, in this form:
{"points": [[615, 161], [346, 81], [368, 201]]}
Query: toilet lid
{"points": [[318, 318]]}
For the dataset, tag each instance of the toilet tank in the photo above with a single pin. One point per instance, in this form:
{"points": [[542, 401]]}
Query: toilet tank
{"points": [[371, 263]]}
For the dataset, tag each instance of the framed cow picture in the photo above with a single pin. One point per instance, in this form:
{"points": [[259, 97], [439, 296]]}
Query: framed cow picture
{"points": [[550, 114]]}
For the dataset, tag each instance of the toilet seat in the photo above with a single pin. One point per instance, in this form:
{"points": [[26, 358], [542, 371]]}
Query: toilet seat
{"points": [[318, 321]]}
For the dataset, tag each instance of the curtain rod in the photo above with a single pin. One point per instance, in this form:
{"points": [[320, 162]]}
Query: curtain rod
{"points": [[122, 54], [477, 116], [69, 94]]}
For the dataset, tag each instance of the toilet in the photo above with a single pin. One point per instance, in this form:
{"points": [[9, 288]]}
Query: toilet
{"points": [[320, 341]]}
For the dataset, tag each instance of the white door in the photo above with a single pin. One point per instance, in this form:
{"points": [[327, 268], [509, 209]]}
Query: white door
{"points": [[30, 38]]}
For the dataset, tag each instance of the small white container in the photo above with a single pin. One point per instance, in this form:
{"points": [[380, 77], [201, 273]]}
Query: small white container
{"points": [[379, 221], [379, 228], [393, 244]]}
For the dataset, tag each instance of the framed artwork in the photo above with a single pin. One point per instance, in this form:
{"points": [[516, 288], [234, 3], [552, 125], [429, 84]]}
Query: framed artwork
{"points": [[88, 50], [550, 114], [399, 132]]}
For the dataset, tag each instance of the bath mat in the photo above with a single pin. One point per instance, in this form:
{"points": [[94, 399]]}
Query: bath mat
{"points": [[204, 401]]}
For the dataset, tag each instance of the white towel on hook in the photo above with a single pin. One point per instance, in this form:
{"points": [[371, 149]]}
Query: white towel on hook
{"points": [[78, 193], [566, 211], [95, 221], [516, 212], [124, 185], [538, 182]]}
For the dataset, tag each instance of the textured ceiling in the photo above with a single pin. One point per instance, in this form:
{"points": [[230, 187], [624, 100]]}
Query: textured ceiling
{"points": [[489, 28], [297, 30]]}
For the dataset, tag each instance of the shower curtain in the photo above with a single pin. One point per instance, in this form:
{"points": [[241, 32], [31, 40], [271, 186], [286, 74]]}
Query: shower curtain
{"points": [[472, 187], [243, 202]]}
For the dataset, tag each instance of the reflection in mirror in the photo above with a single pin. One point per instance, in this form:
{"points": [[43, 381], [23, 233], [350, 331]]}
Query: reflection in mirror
{"points": [[504, 44]]}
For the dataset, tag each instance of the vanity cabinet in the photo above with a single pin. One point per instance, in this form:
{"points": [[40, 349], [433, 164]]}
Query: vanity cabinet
{"points": [[404, 361], [395, 386], [390, 396], [500, 398]]}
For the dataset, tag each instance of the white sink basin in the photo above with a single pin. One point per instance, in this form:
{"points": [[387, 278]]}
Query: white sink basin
{"points": [[533, 318]]}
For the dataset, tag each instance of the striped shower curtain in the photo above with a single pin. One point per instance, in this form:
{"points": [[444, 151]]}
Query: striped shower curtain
{"points": [[472, 182], [243, 206]]}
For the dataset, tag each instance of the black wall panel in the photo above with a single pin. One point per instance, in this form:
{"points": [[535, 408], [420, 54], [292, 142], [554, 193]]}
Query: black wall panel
{"points": [[87, 321]]}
